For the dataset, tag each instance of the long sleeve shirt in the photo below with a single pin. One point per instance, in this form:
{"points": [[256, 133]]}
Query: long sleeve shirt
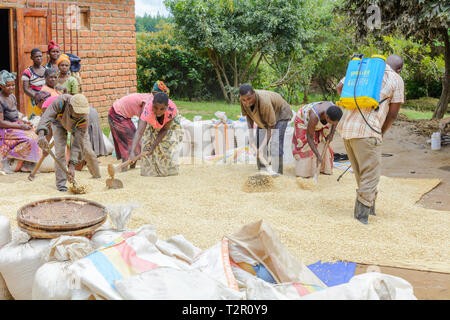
{"points": [[60, 113]]}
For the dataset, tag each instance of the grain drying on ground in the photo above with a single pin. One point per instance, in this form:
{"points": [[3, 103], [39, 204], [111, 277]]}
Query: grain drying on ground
{"points": [[206, 203]]}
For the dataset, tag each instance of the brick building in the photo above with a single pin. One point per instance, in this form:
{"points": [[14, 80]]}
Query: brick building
{"points": [[100, 32]]}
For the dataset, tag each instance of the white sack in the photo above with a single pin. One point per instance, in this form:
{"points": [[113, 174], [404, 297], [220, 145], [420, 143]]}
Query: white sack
{"points": [[171, 284], [368, 286], [19, 261], [178, 247]]}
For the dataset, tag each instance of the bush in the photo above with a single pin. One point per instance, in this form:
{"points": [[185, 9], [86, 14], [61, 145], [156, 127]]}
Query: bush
{"points": [[187, 74], [422, 104]]}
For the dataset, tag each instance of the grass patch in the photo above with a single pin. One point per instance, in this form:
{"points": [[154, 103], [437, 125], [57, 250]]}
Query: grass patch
{"points": [[419, 115], [422, 104]]}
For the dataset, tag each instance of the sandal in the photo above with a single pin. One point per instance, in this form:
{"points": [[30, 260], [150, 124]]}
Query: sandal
{"points": [[62, 189]]}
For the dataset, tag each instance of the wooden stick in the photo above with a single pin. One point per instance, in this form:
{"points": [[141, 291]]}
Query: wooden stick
{"points": [[316, 174], [38, 165]]}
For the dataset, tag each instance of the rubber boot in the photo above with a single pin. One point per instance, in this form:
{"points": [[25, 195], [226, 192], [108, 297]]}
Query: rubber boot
{"points": [[361, 212], [372, 210]]}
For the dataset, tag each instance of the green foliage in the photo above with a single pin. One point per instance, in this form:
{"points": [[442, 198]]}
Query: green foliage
{"points": [[420, 20], [149, 23], [235, 34], [160, 57]]}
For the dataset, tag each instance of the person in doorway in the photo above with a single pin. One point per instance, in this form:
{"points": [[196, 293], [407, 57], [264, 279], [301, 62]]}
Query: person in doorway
{"points": [[33, 77], [271, 113], [160, 128], [54, 51], [314, 126], [51, 85], [68, 114], [17, 139], [65, 79], [122, 127], [363, 143]]}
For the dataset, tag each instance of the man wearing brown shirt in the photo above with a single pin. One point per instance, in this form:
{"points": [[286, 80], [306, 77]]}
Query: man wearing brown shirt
{"points": [[68, 114], [271, 113]]}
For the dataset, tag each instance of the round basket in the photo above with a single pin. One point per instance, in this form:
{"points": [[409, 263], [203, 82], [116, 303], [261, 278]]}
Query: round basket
{"points": [[61, 214]]}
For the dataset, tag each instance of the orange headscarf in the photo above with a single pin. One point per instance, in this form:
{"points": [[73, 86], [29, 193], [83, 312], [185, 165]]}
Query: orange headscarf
{"points": [[63, 57]]}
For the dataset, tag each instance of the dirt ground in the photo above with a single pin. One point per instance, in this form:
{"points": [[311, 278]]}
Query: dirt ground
{"points": [[412, 157]]}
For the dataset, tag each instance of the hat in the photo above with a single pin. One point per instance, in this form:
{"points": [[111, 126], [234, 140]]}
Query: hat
{"points": [[75, 60], [80, 104], [51, 45]]}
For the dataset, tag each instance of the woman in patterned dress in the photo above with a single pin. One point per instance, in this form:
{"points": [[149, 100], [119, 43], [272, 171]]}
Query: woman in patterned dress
{"points": [[314, 124], [160, 127], [17, 138]]}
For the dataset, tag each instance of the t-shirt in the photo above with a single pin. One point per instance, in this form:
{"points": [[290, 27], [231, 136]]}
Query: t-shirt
{"points": [[36, 81], [131, 105], [48, 101], [10, 113], [269, 108]]}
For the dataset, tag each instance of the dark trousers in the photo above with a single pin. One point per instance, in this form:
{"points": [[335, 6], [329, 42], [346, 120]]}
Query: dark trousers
{"points": [[276, 143]]}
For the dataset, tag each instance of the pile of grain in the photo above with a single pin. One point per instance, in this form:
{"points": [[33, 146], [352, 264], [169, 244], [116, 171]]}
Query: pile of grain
{"points": [[78, 189], [206, 203], [259, 183]]}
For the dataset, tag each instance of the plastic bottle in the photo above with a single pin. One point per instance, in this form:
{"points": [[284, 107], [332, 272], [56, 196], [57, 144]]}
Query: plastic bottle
{"points": [[436, 141]]}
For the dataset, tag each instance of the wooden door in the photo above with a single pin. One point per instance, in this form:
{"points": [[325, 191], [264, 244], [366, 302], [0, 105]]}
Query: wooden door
{"points": [[34, 30]]}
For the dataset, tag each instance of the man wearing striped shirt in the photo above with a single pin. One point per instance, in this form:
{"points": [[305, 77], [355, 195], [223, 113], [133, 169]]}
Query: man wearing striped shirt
{"points": [[363, 143]]}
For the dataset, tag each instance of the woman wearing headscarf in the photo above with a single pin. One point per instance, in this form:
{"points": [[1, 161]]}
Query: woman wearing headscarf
{"points": [[17, 138], [65, 78], [160, 130], [33, 79], [54, 52], [50, 86]]}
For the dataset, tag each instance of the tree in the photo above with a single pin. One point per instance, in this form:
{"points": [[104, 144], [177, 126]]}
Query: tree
{"points": [[425, 20], [161, 57], [236, 35]]}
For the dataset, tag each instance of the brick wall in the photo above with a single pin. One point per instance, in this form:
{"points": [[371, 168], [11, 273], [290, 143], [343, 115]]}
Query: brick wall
{"points": [[107, 48]]}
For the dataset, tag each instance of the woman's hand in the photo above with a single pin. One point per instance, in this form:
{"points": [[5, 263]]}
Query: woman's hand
{"points": [[26, 126]]}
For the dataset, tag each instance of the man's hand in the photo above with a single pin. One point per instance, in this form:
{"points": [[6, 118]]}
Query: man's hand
{"points": [[71, 171], [43, 143]]}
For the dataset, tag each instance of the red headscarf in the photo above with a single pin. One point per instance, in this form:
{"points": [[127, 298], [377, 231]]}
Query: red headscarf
{"points": [[52, 44]]}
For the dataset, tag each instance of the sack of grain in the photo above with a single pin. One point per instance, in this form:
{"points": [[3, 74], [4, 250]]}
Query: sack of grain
{"points": [[19, 261], [108, 145], [258, 289], [200, 136], [120, 214], [178, 247], [368, 286], [132, 253], [222, 135], [5, 238], [165, 283], [288, 157], [262, 244], [215, 262], [48, 165], [53, 281], [5, 231]]}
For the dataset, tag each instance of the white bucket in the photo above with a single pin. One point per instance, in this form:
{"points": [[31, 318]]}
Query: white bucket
{"points": [[436, 141]]}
